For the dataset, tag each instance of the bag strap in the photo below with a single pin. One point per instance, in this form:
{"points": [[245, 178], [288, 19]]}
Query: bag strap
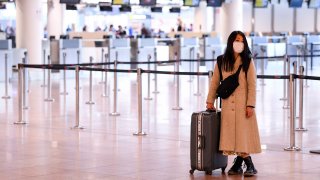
{"points": [[238, 71], [219, 62]]}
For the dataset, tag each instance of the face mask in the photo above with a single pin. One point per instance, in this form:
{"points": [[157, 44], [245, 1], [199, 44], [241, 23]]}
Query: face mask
{"points": [[238, 46]]}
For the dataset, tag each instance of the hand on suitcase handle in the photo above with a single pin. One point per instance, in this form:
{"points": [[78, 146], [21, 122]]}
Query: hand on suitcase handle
{"points": [[210, 107]]}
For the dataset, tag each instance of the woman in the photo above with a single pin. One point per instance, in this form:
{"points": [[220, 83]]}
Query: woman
{"points": [[239, 129]]}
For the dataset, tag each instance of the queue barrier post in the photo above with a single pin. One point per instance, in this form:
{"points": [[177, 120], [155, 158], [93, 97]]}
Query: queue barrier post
{"points": [[139, 81], [115, 89], [177, 107], [292, 146], [77, 123], [155, 74], [25, 84], [210, 74], [78, 56], [285, 81], [6, 78], [64, 76], [262, 61], [307, 65], [286, 105], [295, 71], [191, 51], [90, 102], [311, 63], [301, 128], [102, 56], [148, 98], [105, 86], [44, 70], [49, 97], [21, 119], [198, 77]]}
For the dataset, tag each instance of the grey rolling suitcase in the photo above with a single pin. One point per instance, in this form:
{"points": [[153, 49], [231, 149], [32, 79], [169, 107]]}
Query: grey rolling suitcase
{"points": [[204, 142]]}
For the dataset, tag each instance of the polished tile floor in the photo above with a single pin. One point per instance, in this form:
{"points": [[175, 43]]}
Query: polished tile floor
{"points": [[47, 148]]}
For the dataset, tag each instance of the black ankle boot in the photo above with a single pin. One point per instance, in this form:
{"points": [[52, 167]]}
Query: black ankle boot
{"points": [[237, 166], [250, 171]]}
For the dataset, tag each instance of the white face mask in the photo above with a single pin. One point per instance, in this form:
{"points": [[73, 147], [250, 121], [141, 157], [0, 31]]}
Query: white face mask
{"points": [[238, 46]]}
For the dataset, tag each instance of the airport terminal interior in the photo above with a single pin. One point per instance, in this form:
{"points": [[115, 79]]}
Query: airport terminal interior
{"points": [[81, 99]]}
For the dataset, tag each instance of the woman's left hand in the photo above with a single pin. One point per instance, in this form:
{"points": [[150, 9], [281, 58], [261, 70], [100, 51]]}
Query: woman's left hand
{"points": [[249, 111]]}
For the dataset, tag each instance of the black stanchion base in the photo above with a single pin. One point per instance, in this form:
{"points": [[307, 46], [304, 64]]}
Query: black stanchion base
{"points": [[315, 151]]}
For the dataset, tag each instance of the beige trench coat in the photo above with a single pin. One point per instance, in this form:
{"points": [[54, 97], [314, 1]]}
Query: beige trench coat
{"points": [[238, 134]]}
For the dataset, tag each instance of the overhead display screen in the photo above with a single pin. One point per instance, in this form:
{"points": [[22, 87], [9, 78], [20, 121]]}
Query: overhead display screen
{"points": [[261, 3], [192, 3], [147, 2], [314, 3], [295, 3], [120, 2], [214, 3], [69, 1], [170, 2]]}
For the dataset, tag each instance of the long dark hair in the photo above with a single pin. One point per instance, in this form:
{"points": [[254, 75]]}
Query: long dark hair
{"points": [[228, 58]]}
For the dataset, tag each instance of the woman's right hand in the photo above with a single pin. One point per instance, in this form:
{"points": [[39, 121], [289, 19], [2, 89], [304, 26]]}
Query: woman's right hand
{"points": [[210, 106]]}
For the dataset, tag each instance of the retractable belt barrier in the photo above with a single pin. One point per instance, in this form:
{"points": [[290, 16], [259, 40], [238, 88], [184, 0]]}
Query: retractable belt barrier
{"points": [[90, 67], [66, 66], [272, 77], [295, 76]]}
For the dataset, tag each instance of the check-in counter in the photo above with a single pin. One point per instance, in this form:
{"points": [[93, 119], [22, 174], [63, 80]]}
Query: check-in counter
{"points": [[315, 40], [167, 47], [279, 45], [141, 48], [120, 50], [94, 44], [213, 48], [89, 37], [186, 34], [189, 48], [46, 51], [313, 47], [295, 45], [98, 51], [269, 46], [72, 48]]}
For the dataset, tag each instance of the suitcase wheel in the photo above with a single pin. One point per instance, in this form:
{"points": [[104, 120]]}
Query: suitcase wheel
{"points": [[191, 171], [209, 172]]}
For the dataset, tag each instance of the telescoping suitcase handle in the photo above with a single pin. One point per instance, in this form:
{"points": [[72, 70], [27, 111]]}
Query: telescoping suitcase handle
{"points": [[201, 142]]}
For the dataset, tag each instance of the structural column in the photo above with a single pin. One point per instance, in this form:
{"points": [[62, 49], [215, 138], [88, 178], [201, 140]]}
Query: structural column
{"points": [[200, 18], [30, 28], [55, 18], [231, 18]]}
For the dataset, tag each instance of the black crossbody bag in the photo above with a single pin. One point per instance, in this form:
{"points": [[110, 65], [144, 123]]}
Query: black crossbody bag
{"points": [[228, 85]]}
